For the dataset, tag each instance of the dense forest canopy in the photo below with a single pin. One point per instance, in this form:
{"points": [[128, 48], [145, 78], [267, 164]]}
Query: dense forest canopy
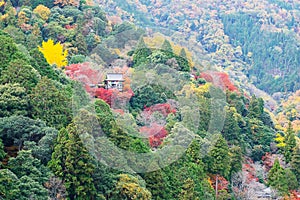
{"points": [[188, 121]]}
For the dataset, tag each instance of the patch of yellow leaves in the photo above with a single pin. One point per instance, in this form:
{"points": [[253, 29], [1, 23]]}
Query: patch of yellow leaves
{"points": [[2, 3], [280, 140], [54, 53], [42, 11], [202, 89]]}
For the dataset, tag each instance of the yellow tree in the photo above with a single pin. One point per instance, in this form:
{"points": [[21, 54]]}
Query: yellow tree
{"points": [[42, 11], [2, 3], [54, 53]]}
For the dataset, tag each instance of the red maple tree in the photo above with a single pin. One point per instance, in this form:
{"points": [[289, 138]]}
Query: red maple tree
{"points": [[165, 109], [219, 79], [155, 133]]}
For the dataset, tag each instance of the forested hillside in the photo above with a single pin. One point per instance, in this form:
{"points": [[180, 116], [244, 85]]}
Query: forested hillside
{"points": [[258, 38], [177, 129]]}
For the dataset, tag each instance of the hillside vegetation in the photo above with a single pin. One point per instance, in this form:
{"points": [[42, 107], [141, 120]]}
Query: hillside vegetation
{"points": [[175, 131]]}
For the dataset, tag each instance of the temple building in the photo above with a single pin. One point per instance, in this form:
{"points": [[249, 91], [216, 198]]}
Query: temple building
{"points": [[114, 80]]}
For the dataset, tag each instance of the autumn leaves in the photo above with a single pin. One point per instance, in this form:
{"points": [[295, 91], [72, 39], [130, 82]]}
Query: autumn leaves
{"points": [[54, 53]]}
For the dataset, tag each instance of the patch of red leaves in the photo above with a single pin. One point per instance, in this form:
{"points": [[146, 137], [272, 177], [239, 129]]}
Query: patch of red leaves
{"points": [[84, 73], [105, 95], [68, 26], [219, 79], [206, 77], [268, 161], [156, 133], [294, 195], [248, 167], [222, 182], [165, 109]]}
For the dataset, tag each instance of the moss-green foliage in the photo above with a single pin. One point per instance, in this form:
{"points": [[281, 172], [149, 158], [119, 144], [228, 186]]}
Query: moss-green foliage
{"points": [[51, 103], [290, 143], [283, 180], [72, 162], [218, 158], [295, 162], [8, 51], [172, 182], [118, 136], [149, 95], [2, 152], [26, 176], [13, 100], [160, 56], [18, 71]]}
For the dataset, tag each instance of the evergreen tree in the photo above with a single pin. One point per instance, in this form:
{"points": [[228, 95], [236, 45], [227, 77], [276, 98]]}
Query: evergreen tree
{"points": [[8, 51], [13, 100], [231, 130], [105, 179], [31, 189], [2, 152], [156, 183], [183, 53], [277, 179], [57, 164], [19, 71], [31, 176], [17, 129], [291, 179], [256, 108], [50, 103], [81, 44], [141, 53], [187, 192], [9, 185], [295, 162], [44, 147], [26, 165], [73, 164], [167, 46], [219, 158], [236, 159], [290, 143]]}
